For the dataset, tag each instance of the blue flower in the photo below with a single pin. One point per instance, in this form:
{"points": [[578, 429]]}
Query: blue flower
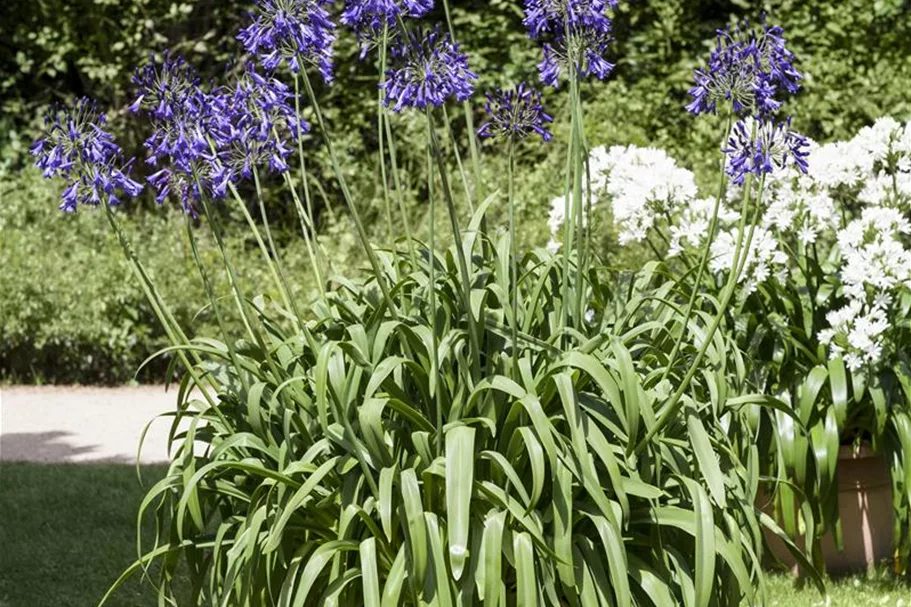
{"points": [[76, 147], [747, 69], [426, 70], [553, 16], [187, 122], [368, 17], [516, 113], [763, 146], [296, 32], [260, 123], [574, 33]]}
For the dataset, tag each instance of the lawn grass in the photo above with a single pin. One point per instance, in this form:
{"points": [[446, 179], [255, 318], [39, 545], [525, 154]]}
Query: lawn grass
{"points": [[880, 589], [68, 531]]}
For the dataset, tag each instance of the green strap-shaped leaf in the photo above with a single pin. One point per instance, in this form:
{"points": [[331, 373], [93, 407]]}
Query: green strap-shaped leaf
{"points": [[707, 458], [705, 542], [369, 577], [459, 485], [417, 529], [526, 580]]}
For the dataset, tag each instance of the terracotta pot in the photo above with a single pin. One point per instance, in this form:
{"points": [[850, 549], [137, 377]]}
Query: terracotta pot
{"points": [[865, 509]]}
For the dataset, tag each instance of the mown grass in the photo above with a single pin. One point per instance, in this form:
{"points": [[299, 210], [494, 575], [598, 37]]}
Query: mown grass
{"points": [[67, 531]]}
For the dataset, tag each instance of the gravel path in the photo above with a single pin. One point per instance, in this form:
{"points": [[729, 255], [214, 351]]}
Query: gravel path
{"points": [[83, 424]]}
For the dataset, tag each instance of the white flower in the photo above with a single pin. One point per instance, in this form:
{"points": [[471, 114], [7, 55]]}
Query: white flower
{"points": [[691, 226], [641, 184], [873, 253], [856, 332], [762, 258]]}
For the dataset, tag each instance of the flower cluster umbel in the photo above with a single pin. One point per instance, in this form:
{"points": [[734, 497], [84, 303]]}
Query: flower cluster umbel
{"points": [[76, 147], [516, 114], [371, 18], [296, 33], [427, 69], [746, 71], [575, 34]]}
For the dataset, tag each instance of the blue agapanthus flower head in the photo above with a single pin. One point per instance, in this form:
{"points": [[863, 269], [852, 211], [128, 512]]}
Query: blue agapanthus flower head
{"points": [[746, 71], [553, 16], [259, 126], [763, 146], [297, 33], [186, 122], [516, 113], [76, 147], [427, 68], [369, 18], [576, 35]]}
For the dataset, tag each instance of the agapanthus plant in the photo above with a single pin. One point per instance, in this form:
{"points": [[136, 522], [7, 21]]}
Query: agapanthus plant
{"points": [[746, 72], [576, 35], [427, 68], [371, 18], [76, 147], [294, 33], [515, 114]]}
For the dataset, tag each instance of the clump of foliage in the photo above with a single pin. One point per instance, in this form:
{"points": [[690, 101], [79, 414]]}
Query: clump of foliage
{"points": [[464, 420]]}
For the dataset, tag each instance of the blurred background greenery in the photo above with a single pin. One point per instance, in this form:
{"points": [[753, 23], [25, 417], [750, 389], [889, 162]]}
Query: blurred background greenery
{"points": [[69, 309]]}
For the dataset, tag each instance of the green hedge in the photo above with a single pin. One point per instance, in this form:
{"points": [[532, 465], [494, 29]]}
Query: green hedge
{"points": [[68, 307]]}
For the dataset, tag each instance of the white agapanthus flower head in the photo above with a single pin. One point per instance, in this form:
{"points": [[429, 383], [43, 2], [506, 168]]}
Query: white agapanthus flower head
{"points": [[764, 258], [796, 206], [874, 256], [642, 185], [856, 332], [691, 226]]}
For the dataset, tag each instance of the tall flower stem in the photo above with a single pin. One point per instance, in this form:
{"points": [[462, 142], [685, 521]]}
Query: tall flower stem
{"points": [[675, 402], [213, 301], [308, 199], [578, 159], [458, 159], [386, 128], [286, 289], [434, 338], [172, 329], [264, 250], [703, 260], [469, 122], [459, 246], [569, 223], [513, 262], [307, 230], [349, 200]]}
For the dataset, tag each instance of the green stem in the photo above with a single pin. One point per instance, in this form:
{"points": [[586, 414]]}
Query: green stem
{"points": [[469, 121], [386, 128], [460, 249], [434, 340], [513, 262], [703, 261], [306, 231], [458, 159], [349, 200], [175, 334], [213, 301]]}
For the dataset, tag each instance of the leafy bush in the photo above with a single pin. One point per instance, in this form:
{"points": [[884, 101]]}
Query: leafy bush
{"points": [[70, 310]]}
